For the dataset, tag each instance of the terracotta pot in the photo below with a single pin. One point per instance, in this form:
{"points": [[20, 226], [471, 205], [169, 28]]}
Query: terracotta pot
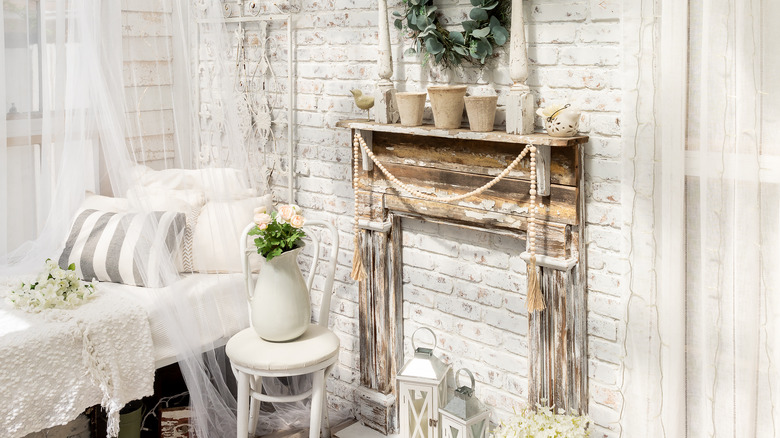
{"points": [[447, 105], [411, 107], [482, 112]]}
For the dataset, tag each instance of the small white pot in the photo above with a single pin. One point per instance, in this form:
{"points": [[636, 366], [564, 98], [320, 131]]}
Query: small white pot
{"points": [[560, 120]]}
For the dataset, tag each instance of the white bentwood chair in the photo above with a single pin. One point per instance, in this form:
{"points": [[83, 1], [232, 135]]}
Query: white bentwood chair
{"points": [[315, 352]]}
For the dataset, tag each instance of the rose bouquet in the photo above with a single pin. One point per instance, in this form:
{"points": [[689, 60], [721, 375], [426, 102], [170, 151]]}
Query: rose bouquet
{"points": [[543, 423], [278, 232], [53, 288]]}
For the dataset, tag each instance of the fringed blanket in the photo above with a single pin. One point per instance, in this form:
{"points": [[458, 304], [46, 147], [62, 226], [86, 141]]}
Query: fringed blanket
{"points": [[56, 363]]}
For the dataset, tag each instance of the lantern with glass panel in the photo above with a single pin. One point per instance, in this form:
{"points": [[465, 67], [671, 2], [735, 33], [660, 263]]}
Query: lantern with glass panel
{"points": [[422, 389], [464, 416]]}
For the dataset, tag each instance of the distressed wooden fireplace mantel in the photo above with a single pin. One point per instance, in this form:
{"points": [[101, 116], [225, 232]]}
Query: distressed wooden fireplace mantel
{"points": [[451, 162]]}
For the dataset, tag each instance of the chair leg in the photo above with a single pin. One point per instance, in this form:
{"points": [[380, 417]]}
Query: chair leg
{"points": [[325, 418], [242, 381], [317, 391], [254, 404]]}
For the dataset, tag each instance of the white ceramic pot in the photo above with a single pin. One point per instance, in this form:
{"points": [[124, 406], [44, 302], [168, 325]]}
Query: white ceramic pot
{"points": [[560, 120], [447, 105], [279, 303]]}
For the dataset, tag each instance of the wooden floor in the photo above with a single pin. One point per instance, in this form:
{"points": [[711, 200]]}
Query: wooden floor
{"points": [[304, 433]]}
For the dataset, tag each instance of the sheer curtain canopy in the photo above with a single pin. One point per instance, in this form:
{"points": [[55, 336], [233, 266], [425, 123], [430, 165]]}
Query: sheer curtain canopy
{"points": [[701, 349], [137, 154]]}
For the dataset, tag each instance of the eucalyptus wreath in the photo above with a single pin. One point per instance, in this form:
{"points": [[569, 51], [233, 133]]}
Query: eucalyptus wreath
{"points": [[486, 29]]}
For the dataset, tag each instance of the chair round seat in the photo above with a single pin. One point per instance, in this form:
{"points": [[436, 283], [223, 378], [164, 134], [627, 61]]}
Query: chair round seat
{"points": [[316, 345]]}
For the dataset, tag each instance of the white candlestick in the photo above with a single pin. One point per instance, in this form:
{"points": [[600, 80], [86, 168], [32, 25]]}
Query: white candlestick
{"points": [[385, 55]]}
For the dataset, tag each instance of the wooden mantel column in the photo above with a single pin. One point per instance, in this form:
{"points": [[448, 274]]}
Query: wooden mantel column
{"points": [[386, 110], [520, 103]]}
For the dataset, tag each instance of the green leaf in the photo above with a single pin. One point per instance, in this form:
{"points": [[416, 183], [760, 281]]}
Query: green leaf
{"points": [[469, 25], [415, 2], [478, 14], [460, 50], [481, 33], [457, 38], [500, 35], [476, 2], [410, 52], [431, 10], [397, 14], [490, 6], [434, 47], [399, 24], [72, 267], [494, 22]]}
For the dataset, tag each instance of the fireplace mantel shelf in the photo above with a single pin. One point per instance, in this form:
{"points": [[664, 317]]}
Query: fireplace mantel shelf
{"points": [[538, 139]]}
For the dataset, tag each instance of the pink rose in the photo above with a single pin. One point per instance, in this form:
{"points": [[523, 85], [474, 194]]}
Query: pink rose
{"points": [[262, 220], [286, 212], [297, 221]]}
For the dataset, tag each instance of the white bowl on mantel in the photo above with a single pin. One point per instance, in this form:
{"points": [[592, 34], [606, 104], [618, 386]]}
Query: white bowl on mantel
{"points": [[560, 120]]}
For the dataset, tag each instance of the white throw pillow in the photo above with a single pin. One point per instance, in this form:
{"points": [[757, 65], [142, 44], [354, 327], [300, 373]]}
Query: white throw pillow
{"points": [[104, 203], [217, 233], [215, 183]]}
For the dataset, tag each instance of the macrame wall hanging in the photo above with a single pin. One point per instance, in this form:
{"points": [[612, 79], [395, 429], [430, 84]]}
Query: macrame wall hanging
{"points": [[535, 300]]}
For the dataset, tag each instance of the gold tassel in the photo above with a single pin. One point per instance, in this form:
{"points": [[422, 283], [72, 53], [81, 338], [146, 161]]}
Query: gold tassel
{"points": [[358, 270], [535, 298]]}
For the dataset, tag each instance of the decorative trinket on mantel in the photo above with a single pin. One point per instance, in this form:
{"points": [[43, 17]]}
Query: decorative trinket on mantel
{"points": [[560, 120], [535, 301], [363, 102], [411, 107], [422, 390], [464, 416]]}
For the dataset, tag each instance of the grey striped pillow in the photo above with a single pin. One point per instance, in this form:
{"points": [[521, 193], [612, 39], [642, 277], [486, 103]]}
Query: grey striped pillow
{"points": [[130, 248]]}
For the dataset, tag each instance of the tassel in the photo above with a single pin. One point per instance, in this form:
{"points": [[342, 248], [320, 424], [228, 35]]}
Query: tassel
{"points": [[358, 270], [535, 298]]}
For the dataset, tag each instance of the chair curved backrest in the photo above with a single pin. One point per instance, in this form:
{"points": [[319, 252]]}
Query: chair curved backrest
{"points": [[327, 291]]}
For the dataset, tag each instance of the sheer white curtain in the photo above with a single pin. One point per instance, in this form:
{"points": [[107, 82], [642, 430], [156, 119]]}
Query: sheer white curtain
{"points": [[702, 185]]}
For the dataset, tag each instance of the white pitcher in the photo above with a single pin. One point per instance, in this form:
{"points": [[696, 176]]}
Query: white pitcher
{"points": [[279, 300]]}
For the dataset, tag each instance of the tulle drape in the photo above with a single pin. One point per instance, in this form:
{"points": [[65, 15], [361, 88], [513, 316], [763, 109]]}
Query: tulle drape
{"points": [[96, 94], [729, 378]]}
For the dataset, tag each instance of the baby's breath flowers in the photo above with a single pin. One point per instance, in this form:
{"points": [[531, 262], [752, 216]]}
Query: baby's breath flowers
{"points": [[543, 423], [54, 288]]}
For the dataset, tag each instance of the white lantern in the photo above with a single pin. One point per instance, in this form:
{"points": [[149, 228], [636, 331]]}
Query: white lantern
{"points": [[464, 416], [422, 388]]}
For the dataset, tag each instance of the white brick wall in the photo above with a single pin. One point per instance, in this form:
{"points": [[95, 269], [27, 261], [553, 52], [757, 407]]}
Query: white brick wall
{"points": [[469, 287]]}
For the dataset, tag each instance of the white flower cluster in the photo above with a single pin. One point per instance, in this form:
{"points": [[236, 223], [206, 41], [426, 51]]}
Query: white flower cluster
{"points": [[544, 423], [54, 288]]}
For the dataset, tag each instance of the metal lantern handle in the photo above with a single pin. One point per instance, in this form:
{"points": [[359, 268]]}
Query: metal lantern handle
{"points": [[414, 346], [457, 378]]}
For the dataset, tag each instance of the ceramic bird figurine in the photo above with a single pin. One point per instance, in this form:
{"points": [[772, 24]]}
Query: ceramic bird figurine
{"points": [[363, 102]]}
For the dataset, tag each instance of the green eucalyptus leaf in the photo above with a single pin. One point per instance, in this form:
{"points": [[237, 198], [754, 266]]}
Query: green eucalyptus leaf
{"points": [[476, 2], [489, 6], [478, 14], [460, 50], [439, 56], [415, 2], [434, 47], [469, 25], [483, 48], [457, 38], [397, 14], [410, 52], [500, 35], [399, 24], [481, 33], [431, 10], [494, 22]]}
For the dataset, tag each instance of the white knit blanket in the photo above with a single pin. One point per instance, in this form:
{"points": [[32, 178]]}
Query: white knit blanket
{"points": [[57, 363]]}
